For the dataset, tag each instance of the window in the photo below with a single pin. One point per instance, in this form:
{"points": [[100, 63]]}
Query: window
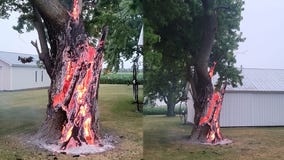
{"points": [[42, 76], [35, 76]]}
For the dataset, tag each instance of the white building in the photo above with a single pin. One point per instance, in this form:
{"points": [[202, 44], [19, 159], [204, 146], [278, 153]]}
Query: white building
{"points": [[259, 102], [15, 75]]}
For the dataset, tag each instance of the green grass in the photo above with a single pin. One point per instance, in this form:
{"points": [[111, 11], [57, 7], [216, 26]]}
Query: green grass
{"points": [[22, 112], [166, 139]]}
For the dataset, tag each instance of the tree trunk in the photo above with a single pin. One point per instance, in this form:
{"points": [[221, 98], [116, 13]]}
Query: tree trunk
{"points": [[206, 121], [199, 133], [72, 111], [170, 106], [207, 104], [171, 110]]}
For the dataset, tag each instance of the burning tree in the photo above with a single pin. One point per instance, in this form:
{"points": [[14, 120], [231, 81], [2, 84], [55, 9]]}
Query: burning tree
{"points": [[73, 64], [70, 59], [74, 68], [209, 120], [197, 34]]}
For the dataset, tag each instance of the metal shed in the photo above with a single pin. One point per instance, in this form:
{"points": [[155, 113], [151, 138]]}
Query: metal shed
{"points": [[258, 102], [15, 75]]}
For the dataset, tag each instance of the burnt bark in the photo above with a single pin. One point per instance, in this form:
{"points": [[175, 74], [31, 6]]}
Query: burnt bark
{"points": [[201, 85], [74, 67]]}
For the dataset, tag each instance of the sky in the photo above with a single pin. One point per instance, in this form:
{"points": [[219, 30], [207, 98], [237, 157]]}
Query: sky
{"points": [[262, 26]]}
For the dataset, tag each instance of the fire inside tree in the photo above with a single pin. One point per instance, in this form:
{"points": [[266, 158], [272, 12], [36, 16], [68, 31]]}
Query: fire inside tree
{"points": [[209, 121], [72, 111]]}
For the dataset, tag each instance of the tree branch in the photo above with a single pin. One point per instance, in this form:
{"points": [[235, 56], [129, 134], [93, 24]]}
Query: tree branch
{"points": [[52, 11], [44, 54], [165, 99], [101, 45], [222, 7]]}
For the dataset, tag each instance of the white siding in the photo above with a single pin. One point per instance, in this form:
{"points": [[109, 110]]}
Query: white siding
{"points": [[24, 78], [252, 109], [249, 109], [190, 109], [4, 76]]}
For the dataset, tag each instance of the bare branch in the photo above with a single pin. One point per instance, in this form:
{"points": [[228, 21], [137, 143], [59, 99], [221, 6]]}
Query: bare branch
{"points": [[34, 43], [44, 53]]}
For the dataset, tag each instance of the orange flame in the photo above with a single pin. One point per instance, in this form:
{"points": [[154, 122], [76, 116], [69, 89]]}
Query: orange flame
{"points": [[82, 117], [87, 131], [211, 136], [212, 104], [57, 99], [213, 112], [76, 11], [211, 71], [78, 107]]}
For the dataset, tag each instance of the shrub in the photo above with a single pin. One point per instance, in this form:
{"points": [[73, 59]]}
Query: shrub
{"points": [[120, 78], [148, 110]]}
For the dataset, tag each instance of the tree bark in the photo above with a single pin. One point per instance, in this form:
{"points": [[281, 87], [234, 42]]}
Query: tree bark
{"points": [[171, 110], [171, 102], [53, 12], [202, 88], [72, 110]]}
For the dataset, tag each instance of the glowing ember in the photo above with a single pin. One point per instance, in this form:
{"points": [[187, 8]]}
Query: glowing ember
{"points": [[212, 105], [79, 88], [211, 71], [76, 10], [211, 118], [78, 111]]}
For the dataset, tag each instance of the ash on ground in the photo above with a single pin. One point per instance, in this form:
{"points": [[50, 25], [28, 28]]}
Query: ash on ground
{"points": [[222, 142], [106, 143]]}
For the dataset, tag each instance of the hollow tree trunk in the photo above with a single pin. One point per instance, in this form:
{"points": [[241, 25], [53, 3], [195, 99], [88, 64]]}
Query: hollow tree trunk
{"points": [[72, 111], [205, 104], [206, 121], [199, 133]]}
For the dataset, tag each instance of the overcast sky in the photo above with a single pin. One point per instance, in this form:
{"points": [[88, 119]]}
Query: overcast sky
{"points": [[262, 25]]}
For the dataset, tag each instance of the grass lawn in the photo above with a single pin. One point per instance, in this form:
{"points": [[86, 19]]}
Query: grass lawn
{"points": [[22, 112], [166, 139]]}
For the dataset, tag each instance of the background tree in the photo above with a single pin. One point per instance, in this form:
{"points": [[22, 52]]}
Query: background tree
{"points": [[164, 80], [203, 31], [124, 18], [165, 57]]}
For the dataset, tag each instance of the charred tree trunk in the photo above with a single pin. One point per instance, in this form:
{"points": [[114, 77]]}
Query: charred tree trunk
{"points": [[74, 67], [206, 102]]}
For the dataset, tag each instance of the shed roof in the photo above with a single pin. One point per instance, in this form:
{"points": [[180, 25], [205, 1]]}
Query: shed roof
{"points": [[267, 80], [11, 58]]}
